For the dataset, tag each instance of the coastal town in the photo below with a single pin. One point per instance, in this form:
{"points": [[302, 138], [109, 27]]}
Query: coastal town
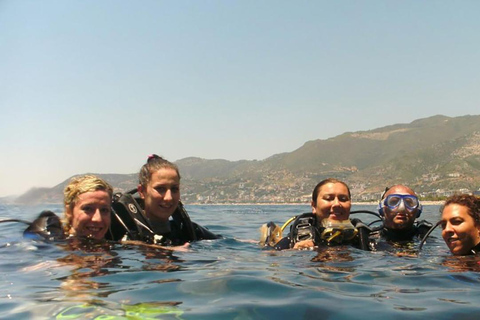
{"points": [[297, 190]]}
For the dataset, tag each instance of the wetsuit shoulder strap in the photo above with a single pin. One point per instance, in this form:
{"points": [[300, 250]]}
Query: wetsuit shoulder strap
{"points": [[182, 220], [127, 219]]}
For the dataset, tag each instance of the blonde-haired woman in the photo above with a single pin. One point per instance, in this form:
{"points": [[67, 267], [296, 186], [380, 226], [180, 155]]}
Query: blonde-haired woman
{"points": [[87, 202]]}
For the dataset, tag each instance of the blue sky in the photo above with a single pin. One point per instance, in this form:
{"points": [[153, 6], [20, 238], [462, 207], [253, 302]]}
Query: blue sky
{"points": [[96, 86]]}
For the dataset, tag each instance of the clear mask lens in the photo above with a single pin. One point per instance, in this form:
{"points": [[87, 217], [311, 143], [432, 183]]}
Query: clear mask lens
{"points": [[394, 200]]}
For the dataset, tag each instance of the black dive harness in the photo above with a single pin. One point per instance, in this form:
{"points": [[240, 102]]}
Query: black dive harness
{"points": [[306, 227], [418, 230], [129, 222]]}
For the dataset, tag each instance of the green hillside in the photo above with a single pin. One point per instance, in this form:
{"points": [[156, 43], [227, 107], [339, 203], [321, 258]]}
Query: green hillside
{"points": [[436, 156]]}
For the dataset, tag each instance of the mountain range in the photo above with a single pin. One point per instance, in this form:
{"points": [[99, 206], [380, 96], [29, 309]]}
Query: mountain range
{"points": [[436, 156]]}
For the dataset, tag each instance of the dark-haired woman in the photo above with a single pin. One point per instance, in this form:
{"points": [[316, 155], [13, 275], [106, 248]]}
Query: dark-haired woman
{"points": [[461, 224], [159, 191], [159, 187], [329, 222]]}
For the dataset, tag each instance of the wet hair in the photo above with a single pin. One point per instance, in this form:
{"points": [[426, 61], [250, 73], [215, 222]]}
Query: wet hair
{"points": [[154, 163], [77, 186], [471, 202], [317, 188]]}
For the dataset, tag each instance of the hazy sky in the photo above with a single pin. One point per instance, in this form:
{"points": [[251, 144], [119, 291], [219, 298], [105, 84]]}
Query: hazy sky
{"points": [[96, 86]]}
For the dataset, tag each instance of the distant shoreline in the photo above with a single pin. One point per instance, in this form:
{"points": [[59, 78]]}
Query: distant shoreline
{"points": [[371, 203]]}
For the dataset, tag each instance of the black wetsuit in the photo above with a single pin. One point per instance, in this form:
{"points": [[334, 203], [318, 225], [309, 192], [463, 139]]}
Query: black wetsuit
{"points": [[393, 239], [176, 235], [128, 222], [305, 227], [475, 250], [418, 231]]}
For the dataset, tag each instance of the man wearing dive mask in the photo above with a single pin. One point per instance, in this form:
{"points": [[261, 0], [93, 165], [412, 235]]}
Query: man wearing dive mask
{"points": [[399, 207]]}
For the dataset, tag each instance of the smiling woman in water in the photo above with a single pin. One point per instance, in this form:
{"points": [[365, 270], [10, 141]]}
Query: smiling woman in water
{"points": [[158, 216], [461, 224], [329, 222], [87, 201]]}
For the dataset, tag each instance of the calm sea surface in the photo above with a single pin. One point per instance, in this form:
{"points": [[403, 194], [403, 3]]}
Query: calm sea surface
{"points": [[231, 278]]}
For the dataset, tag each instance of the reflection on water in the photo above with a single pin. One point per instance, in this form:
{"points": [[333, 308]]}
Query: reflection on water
{"points": [[232, 278]]}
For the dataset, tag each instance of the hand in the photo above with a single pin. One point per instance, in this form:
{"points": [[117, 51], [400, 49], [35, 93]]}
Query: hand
{"points": [[183, 248], [305, 244]]}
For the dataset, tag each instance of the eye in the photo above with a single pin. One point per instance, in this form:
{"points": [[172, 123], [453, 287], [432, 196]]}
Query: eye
{"points": [[88, 209], [328, 197], [443, 225], [411, 202], [343, 198], [175, 189], [393, 201], [161, 189], [105, 211], [457, 222]]}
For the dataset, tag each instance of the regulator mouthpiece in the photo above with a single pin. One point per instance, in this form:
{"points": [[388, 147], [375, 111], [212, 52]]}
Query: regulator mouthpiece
{"points": [[338, 231]]}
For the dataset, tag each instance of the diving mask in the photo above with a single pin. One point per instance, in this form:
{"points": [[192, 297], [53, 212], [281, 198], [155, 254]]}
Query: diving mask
{"points": [[393, 201], [338, 231]]}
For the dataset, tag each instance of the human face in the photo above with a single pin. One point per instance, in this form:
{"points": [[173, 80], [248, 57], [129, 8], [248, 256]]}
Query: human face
{"points": [[332, 202], [161, 195], [91, 214], [400, 217], [459, 230]]}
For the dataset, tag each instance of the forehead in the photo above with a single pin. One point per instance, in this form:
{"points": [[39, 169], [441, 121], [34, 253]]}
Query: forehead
{"points": [[455, 210], [399, 190], [333, 188], [99, 196], [165, 175]]}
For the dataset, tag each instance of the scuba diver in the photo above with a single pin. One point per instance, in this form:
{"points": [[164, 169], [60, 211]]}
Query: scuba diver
{"points": [[87, 203], [328, 224], [156, 215], [399, 208]]}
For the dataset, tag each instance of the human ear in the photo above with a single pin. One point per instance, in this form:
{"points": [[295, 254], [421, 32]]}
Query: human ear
{"points": [[313, 204], [141, 191]]}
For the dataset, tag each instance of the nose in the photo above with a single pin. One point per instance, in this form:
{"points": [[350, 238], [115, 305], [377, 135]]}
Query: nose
{"points": [[336, 202], [168, 195], [401, 206], [448, 228], [97, 216]]}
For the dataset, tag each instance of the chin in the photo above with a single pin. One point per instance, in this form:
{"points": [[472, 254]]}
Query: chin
{"points": [[458, 251]]}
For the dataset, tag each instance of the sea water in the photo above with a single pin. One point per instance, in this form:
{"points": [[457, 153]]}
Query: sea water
{"points": [[232, 278]]}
